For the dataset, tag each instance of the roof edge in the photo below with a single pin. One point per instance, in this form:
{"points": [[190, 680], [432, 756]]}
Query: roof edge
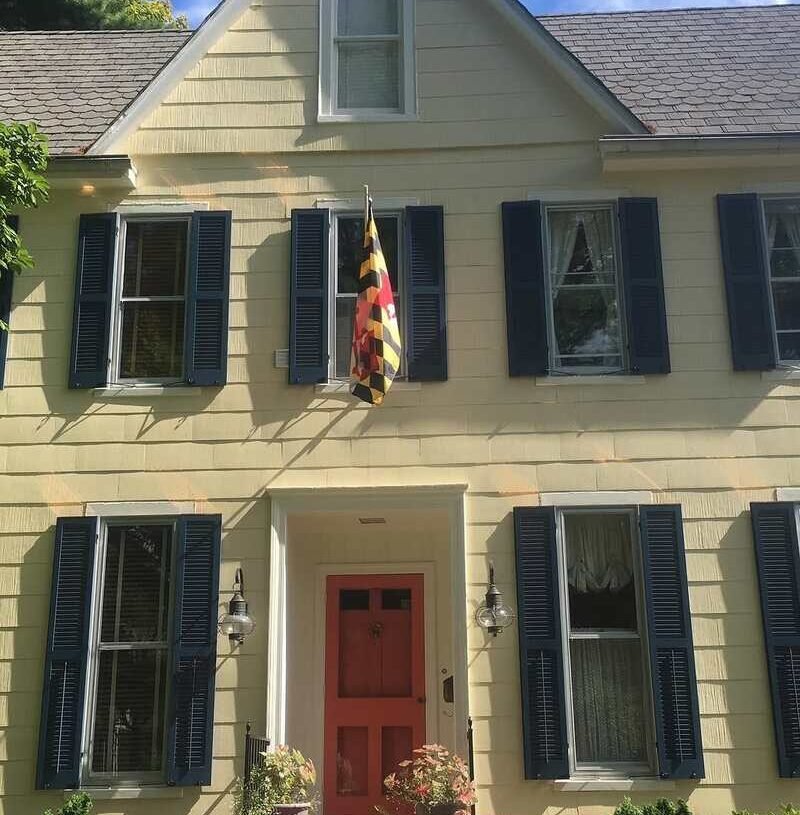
{"points": [[184, 59]]}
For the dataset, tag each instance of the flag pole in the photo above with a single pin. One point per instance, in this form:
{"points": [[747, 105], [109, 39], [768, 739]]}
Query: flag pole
{"points": [[366, 204]]}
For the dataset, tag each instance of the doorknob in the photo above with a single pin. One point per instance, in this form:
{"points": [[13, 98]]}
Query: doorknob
{"points": [[421, 700]]}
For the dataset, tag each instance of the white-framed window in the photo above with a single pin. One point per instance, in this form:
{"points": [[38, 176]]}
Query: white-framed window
{"points": [[782, 229], [149, 307], [584, 293], [347, 252], [129, 654], [367, 59], [606, 671]]}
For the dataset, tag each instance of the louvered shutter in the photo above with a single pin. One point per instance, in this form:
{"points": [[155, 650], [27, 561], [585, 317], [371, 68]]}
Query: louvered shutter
{"points": [[426, 323], [544, 723], [746, 285], [643, 283], [91, 323], [191, 721], [308, 335], [6, 293], [66, 654], [207, 299], [775, 532], [680, 749], [526, 317]]}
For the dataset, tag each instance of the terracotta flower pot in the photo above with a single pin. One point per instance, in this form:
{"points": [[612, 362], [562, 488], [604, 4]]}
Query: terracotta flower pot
{"points": [[440, 809], [292, 809]]}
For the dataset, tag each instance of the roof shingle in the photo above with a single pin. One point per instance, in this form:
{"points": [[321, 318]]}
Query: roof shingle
{"points": [[75, 84]]}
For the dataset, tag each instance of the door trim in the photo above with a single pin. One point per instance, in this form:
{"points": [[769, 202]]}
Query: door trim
{"points": [[287, 502]]}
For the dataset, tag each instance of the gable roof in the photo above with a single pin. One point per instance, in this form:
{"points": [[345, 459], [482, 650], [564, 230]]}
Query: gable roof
{"points": [[695, 71], [75, 84]]}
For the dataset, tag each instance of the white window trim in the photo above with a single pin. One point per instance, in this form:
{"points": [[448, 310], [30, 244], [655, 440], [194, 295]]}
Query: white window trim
{"points": [[790, 368], [617, 771], [99, 781], [579, 373], [328, 111], [113, 380], [611, 498]]}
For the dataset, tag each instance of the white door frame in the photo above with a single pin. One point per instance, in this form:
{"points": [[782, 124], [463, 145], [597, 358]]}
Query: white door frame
{"points": [[287, 502]]}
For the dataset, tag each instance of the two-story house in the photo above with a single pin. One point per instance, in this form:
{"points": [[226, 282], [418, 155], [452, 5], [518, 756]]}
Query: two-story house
{"points": [[592, 227]]}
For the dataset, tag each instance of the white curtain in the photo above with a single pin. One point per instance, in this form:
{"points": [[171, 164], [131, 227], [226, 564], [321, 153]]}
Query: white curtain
{"points": [[791, 223], [599, 553], [563, 234], [599, 237]]}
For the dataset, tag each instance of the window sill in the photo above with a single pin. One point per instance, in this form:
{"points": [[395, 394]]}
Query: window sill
{"points": [[127, 793], [343, 388], [144, 391], [588, 379], [366, 118], [613, 784], [782, 375]]}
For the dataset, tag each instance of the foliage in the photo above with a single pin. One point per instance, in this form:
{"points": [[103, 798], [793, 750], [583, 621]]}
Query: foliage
{"points": [[663, 806], [284, 777], [23, 161], [78, 804], [433, 776], [52, 15]]}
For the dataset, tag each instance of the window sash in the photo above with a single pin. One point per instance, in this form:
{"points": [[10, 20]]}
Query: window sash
{"points": [[559, 363], [119, 300], [96, 647], [334, 296], [610, 769]]}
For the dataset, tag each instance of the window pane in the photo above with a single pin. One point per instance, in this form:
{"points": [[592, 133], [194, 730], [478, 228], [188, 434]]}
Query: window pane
{"points": [[136, 584], [600, 572], [789, 346], [608, 701], [152, 340], [345, 314], [369, 76], [129, 717], [350, 238], [357, 17], [155, 259], [587, 327], [581, 246]]}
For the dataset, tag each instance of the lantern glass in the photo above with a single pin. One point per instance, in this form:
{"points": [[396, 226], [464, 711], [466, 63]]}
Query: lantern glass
{"points": [[236, 625]]}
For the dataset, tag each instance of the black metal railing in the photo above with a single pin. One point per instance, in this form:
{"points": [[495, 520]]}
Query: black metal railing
{"points": [[254, 749]]}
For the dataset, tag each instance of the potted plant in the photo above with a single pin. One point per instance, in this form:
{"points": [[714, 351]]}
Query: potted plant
{"points": [[434, 782], [281, 784]]}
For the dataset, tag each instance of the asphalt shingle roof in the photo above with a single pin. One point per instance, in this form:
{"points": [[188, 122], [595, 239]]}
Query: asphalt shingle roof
{"points": [[75, 84], [695, 71]]}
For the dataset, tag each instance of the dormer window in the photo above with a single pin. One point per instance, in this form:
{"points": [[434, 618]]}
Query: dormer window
{"points": [[367, 60]]}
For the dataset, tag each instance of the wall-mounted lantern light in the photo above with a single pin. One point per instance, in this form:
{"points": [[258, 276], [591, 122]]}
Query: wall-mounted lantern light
{"points": [[237, 623], [494, 616]]}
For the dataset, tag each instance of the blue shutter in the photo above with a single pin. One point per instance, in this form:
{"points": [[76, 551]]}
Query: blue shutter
{"points": [[544, 722], [526, 316], [66, 652], [746, 286], [6, 292], [778, 558], [308, 333], [207, 300], [643, 282], [191, 721], [91, 323], [426, 322], [680, 748]]}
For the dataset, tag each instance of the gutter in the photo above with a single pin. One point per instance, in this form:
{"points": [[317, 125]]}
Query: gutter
{"points": [[627, 153], [101, 172]]}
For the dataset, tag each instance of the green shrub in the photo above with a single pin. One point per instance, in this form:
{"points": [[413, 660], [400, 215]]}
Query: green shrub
{"points": [[663, 806], [78, 804]]}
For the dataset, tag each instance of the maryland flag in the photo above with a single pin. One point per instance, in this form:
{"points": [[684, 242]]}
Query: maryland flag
{"points": [[376, 336]]}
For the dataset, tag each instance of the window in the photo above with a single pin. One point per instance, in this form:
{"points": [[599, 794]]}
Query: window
{"points": [[605, 654], [151, 302], [367, 65], [782, 218], [130, 655], [584, 300], [348, 251]]}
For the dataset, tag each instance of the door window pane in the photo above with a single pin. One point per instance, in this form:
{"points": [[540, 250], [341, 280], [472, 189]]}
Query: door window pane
{"points": [[783, 246], [584, 290], [369, 75]]}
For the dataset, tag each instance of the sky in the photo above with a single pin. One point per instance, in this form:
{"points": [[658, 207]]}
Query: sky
{"points": [[196, 10]]}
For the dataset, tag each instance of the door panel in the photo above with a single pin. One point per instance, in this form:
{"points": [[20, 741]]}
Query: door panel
{"points": [[374, 685]]}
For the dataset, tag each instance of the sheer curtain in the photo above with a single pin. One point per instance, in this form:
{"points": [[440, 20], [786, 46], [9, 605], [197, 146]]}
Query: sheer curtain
{"points": [[599, 553]]}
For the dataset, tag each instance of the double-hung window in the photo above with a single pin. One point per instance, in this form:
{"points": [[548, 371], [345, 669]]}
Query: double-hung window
{"points": [[348, 251], [584, 294], [367, 63]]}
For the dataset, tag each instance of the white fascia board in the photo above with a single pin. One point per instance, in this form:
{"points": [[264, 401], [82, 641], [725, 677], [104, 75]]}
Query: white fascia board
{"points": [[568, 66], [218, 22]]}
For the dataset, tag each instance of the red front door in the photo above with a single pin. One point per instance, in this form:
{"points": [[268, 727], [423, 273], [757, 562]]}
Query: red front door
{"points": [[374, 685]]}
